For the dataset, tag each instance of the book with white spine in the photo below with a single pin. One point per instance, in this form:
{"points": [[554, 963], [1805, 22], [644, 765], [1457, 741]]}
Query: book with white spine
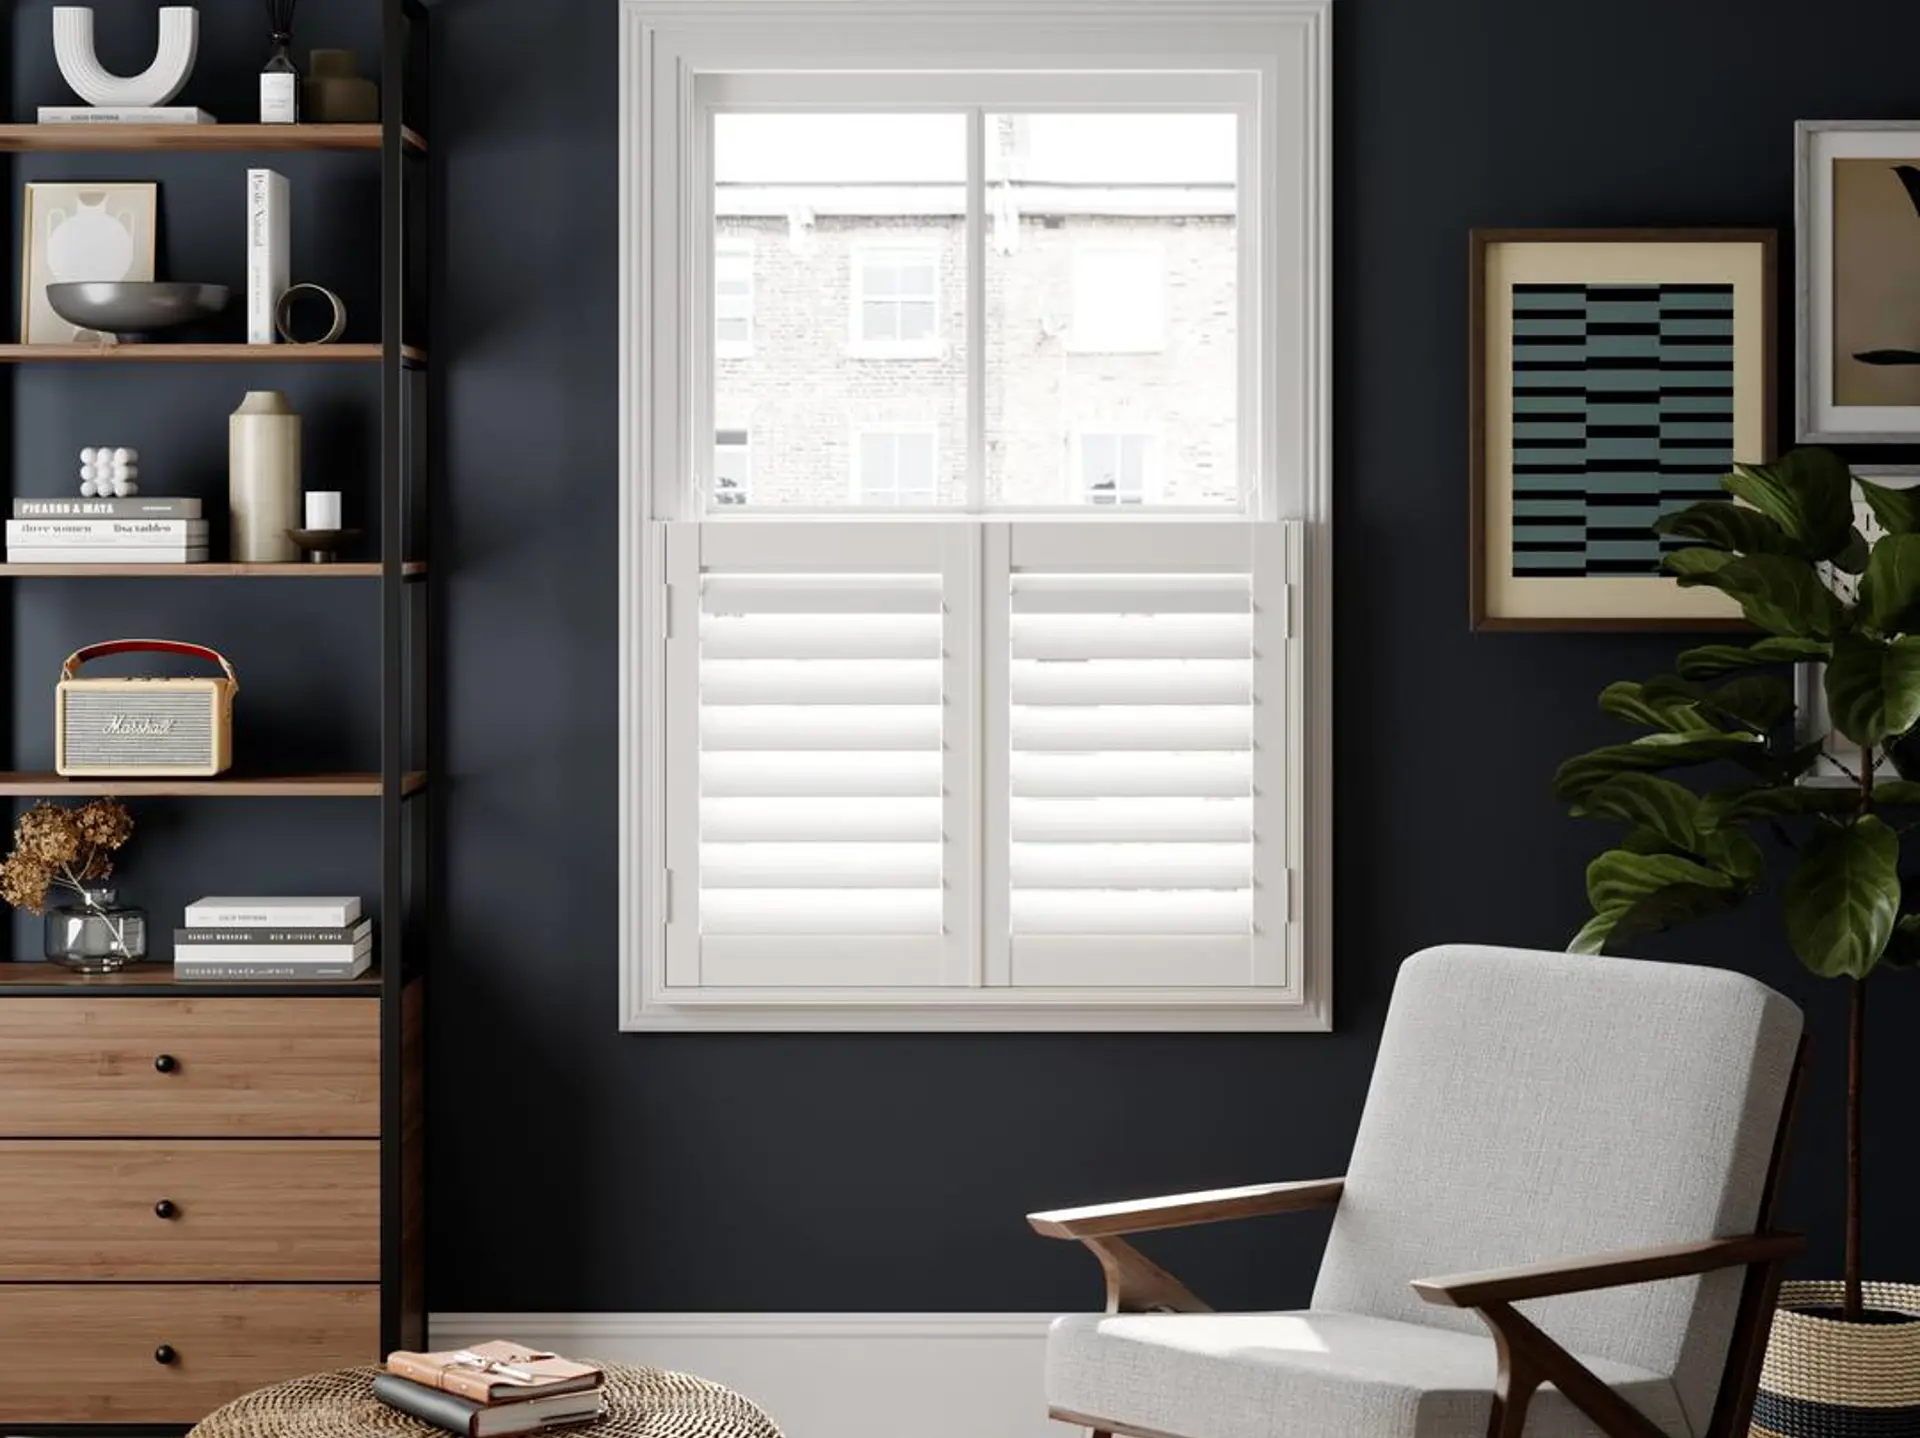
{"points": [[134, 507], [296, 955], [269, 251], [272, 913], [248, 972], [107, 553], [124, 115], [134, 533]]}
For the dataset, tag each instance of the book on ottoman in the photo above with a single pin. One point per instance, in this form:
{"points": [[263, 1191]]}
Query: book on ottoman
{"points": [[486, 1420]]}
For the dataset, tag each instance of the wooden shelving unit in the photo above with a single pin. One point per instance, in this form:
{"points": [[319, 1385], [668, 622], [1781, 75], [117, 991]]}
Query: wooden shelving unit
{"points": [[227, 786], [160, 352], [388, 1002], [410, 570], [198, 139]]}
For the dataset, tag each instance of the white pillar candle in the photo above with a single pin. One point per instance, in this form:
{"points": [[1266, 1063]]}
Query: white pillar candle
{"points": [[323, 509]]}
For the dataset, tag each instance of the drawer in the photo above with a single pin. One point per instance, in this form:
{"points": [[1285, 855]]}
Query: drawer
{"points": [[90, 1353], [304, 1210], [190, 1068]]}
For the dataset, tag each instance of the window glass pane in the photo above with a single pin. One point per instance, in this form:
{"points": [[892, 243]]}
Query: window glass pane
{"points": [[855, 302], [1112, 306]]}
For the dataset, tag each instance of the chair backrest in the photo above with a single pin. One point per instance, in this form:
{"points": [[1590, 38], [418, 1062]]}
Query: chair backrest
{"points": [[1531, 1106]]}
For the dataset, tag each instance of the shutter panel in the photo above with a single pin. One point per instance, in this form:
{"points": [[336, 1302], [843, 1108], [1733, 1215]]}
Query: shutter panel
{"points": [[1148, 748], [820, 754]]}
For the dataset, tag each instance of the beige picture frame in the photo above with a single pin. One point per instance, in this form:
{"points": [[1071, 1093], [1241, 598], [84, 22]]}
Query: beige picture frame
{"points": [[82, 230], [1561, 538]]}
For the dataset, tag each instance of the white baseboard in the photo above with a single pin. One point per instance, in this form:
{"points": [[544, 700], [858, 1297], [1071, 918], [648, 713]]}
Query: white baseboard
{"points": [[821, 1375]]}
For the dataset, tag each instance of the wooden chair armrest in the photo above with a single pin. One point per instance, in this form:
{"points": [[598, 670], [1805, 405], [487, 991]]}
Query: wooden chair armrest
{"points": [[1606, 1270], [1184, 1210]]}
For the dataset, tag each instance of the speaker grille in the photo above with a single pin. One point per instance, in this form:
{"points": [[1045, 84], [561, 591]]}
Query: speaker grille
{"points": [[139, 731]]}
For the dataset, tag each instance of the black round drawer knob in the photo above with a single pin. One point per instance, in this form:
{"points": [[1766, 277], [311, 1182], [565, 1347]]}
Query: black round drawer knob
{"points": [[165, 1209], [165, 1356], [166, 1064]]}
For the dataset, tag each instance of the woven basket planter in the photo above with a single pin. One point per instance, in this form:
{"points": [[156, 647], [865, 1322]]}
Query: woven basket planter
{"points": [[1828, 1379]]}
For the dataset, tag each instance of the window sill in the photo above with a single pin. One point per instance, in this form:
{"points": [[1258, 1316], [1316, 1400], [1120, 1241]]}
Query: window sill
{"points": [[878, 1013]]}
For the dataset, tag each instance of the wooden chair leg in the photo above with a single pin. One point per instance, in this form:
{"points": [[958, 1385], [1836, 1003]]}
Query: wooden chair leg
{"points": [[1514, 1384]]}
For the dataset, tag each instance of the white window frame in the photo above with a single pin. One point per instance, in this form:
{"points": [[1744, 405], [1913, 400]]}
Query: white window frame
{"points": [[1151, 470], [1038, 52], [746, 451], [736, 249], [1078, 342], [857, 480], [860, 254]]}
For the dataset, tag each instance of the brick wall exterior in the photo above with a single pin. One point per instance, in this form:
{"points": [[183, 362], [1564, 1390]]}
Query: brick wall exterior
{"points": [[803, 394]]}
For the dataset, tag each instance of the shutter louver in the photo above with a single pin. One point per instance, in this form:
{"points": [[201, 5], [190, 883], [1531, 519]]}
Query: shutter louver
{"points": [[812, 741], [1147, 753]]}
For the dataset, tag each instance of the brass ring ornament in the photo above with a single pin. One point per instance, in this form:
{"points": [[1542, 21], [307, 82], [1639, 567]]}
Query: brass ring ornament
{"points": [[283, 316]]}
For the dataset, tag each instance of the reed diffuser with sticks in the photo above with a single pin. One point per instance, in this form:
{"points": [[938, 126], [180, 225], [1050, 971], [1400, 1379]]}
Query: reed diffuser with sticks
{"points": [[280, 80]]}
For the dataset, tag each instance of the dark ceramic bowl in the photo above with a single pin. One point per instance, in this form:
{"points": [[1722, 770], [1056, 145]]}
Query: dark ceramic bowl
{"points": [[128, 307]]}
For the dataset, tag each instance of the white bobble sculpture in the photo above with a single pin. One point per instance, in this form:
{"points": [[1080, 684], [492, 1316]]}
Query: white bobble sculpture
{"points": [[109, 473]]}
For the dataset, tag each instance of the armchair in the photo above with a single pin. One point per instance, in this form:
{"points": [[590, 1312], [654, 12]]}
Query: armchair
{"points": [[1526, 1108]]}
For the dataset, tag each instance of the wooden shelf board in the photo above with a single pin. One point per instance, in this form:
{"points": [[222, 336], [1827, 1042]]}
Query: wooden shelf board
{"points": [[103, 139], [412, 569], [156, 980], [161, 352], [241, 786]]}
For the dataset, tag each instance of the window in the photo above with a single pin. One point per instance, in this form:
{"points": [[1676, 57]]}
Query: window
{"points": [[902, 749], [1112, 468], [1119, 299], [895, 468], [733, 300], [732, 469], [896, 301]]}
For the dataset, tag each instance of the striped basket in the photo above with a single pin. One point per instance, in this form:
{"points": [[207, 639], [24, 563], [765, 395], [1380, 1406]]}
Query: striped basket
{"points": [[1828, 1379]]}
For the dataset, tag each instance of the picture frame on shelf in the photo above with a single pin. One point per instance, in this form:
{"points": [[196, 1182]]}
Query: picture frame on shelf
{"points": [[1614, 376], [1857, 281], [81, 230]]}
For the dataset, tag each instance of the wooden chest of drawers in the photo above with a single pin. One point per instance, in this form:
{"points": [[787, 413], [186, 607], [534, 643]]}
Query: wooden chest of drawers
{"points": [[200, 1196]]}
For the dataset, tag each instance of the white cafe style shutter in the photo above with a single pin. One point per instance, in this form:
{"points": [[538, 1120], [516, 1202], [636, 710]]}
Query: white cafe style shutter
{"points": [[1044, 756]]}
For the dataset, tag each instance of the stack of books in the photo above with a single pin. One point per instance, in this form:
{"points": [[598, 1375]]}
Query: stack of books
{"points": [[257, 939], [136, 530], [492, 1389]]}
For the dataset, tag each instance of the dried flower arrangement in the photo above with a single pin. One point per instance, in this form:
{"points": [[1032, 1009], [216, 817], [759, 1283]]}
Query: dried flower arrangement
{"points": [[68, 848]]}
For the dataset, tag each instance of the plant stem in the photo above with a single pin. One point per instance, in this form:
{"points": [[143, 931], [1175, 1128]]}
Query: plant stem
{"points": [[1851, 1305]]}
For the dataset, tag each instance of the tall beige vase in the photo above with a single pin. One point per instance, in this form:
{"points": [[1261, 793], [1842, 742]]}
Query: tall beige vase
{"points": [[263, 478]]}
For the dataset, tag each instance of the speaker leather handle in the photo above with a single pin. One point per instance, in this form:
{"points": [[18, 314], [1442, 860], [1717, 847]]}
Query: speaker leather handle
{"points": [[71, 669]]}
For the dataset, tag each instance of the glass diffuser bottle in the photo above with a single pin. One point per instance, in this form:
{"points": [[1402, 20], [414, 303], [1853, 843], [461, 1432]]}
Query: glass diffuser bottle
{"points": [[280, 80]]}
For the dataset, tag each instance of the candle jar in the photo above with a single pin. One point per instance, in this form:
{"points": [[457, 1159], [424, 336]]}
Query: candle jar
{"points": [[98, 935]]}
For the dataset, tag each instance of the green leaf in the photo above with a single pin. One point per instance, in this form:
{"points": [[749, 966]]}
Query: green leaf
{"points": [[1618, 877], [1760, 700], [1723, 525], [1693, 566], [1896, 793], [1664, 909], [1842, 901], [1853, 559], [1595, 934], [1578, 776], [1732, 852], [1777, 592], [1675, 713], [1903, 949], [1709, 661], [1808, 493], [1873, 686], [1898, 510], [1775, 801], [1668, 809], [1890, 589]]}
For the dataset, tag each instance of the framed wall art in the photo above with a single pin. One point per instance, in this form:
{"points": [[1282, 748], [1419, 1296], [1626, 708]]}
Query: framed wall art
{"points": [[95, 230], [1615, 376], [1857, 187]]}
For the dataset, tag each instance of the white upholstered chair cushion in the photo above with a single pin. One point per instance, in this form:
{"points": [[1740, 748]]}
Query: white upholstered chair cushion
{"points": [[1307, 1375]]}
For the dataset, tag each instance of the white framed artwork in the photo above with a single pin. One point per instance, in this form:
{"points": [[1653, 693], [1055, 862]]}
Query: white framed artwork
{"points": [[82, 231]]}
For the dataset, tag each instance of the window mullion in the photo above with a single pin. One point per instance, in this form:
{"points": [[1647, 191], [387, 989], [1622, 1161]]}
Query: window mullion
{"points": [[976, 303]]}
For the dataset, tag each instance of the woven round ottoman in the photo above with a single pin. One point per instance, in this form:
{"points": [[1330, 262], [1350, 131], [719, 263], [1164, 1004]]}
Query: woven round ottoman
{"points": [[641, 1403]]}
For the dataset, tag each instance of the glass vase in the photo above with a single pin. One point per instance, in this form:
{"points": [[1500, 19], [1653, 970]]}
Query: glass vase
{"points": [[97, 935]]}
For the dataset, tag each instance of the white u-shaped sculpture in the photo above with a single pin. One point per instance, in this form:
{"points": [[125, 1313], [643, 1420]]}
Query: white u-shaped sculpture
{"points": [[97, 85]]}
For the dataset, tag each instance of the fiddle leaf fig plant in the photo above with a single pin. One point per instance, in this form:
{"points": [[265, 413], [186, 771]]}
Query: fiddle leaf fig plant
{"points": [[1838, 791]]}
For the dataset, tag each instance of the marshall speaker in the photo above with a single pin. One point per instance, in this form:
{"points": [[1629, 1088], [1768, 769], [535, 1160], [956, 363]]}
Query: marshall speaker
{"points": [[143, 728]]}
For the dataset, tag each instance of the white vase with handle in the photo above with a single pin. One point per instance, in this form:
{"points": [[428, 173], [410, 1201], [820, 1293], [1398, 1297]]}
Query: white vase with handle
{"points": [[263, 478]]}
